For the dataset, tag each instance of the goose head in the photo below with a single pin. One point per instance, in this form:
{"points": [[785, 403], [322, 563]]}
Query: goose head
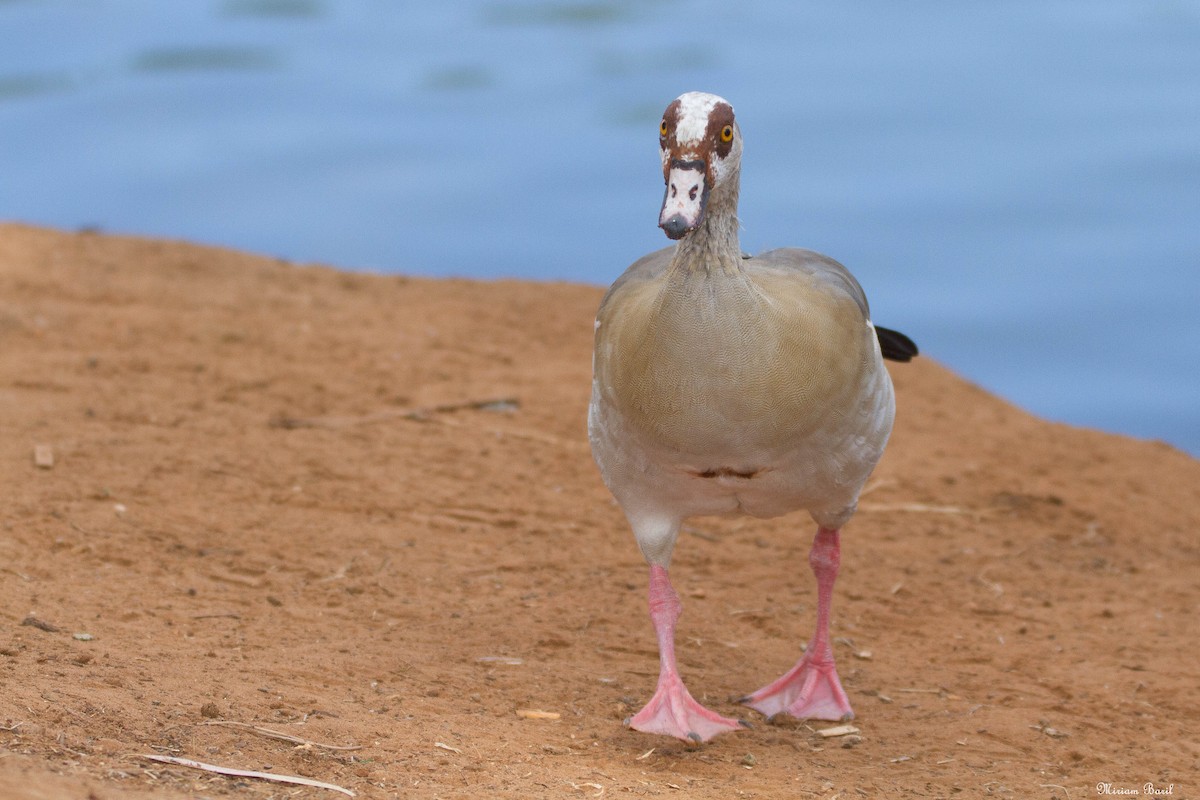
{"points": [[701, 151]]}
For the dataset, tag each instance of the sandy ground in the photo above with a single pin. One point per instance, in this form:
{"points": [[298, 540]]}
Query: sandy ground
{"points": [[361, 511]]}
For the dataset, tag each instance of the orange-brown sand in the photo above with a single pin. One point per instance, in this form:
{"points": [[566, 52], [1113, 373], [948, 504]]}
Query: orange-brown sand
{"points": [[361, 511]]}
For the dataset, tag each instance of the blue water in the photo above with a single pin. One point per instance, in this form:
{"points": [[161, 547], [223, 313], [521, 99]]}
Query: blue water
{"points": [[1016, 184]]}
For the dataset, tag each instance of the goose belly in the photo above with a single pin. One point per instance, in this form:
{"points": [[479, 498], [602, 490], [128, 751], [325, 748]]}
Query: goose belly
{"points": [[750, 468]]}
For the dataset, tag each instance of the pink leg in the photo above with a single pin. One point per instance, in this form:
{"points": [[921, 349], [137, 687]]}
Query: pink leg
{"points": [[672, 711], [811, 689]]}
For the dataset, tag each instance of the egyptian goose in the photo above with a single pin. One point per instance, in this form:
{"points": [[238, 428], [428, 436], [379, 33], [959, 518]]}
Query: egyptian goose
{"points": [[725, 384]]}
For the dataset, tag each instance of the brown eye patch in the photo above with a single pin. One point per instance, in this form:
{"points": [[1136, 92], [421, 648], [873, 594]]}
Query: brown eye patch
{"points": [[670, 119], [720, 128]]}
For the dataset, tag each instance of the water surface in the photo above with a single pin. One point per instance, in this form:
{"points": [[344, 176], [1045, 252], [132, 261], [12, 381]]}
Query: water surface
{"points": [[1016, 184]]}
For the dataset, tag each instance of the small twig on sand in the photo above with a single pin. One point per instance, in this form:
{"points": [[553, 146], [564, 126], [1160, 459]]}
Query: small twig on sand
{"points": [[494, 404], [919, 508], [699, 534], [877, 484], [284, 737], [442, 414], [243, 773], [41, 625]]}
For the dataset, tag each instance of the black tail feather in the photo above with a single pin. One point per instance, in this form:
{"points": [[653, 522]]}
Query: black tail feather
{"points": [[895, 345]]}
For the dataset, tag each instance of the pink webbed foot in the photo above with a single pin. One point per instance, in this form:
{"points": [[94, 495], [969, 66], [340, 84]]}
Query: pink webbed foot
{"points": [[674, 712], [809, 690], [812, 689]]}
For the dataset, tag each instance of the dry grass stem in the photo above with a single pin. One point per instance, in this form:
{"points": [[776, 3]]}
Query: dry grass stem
{"points": [[285, 737], [244, 773]]}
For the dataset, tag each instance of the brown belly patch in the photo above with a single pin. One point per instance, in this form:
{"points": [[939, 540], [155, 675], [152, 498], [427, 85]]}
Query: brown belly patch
{"points": [[727, 472]]}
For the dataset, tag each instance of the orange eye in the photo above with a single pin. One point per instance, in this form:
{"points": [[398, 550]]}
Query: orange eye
{"points": [[662, 128], [727, 133]]}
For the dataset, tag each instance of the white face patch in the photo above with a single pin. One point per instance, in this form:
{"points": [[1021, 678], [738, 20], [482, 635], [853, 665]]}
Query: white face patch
{"points": [[694, 108], [684, 202]]}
